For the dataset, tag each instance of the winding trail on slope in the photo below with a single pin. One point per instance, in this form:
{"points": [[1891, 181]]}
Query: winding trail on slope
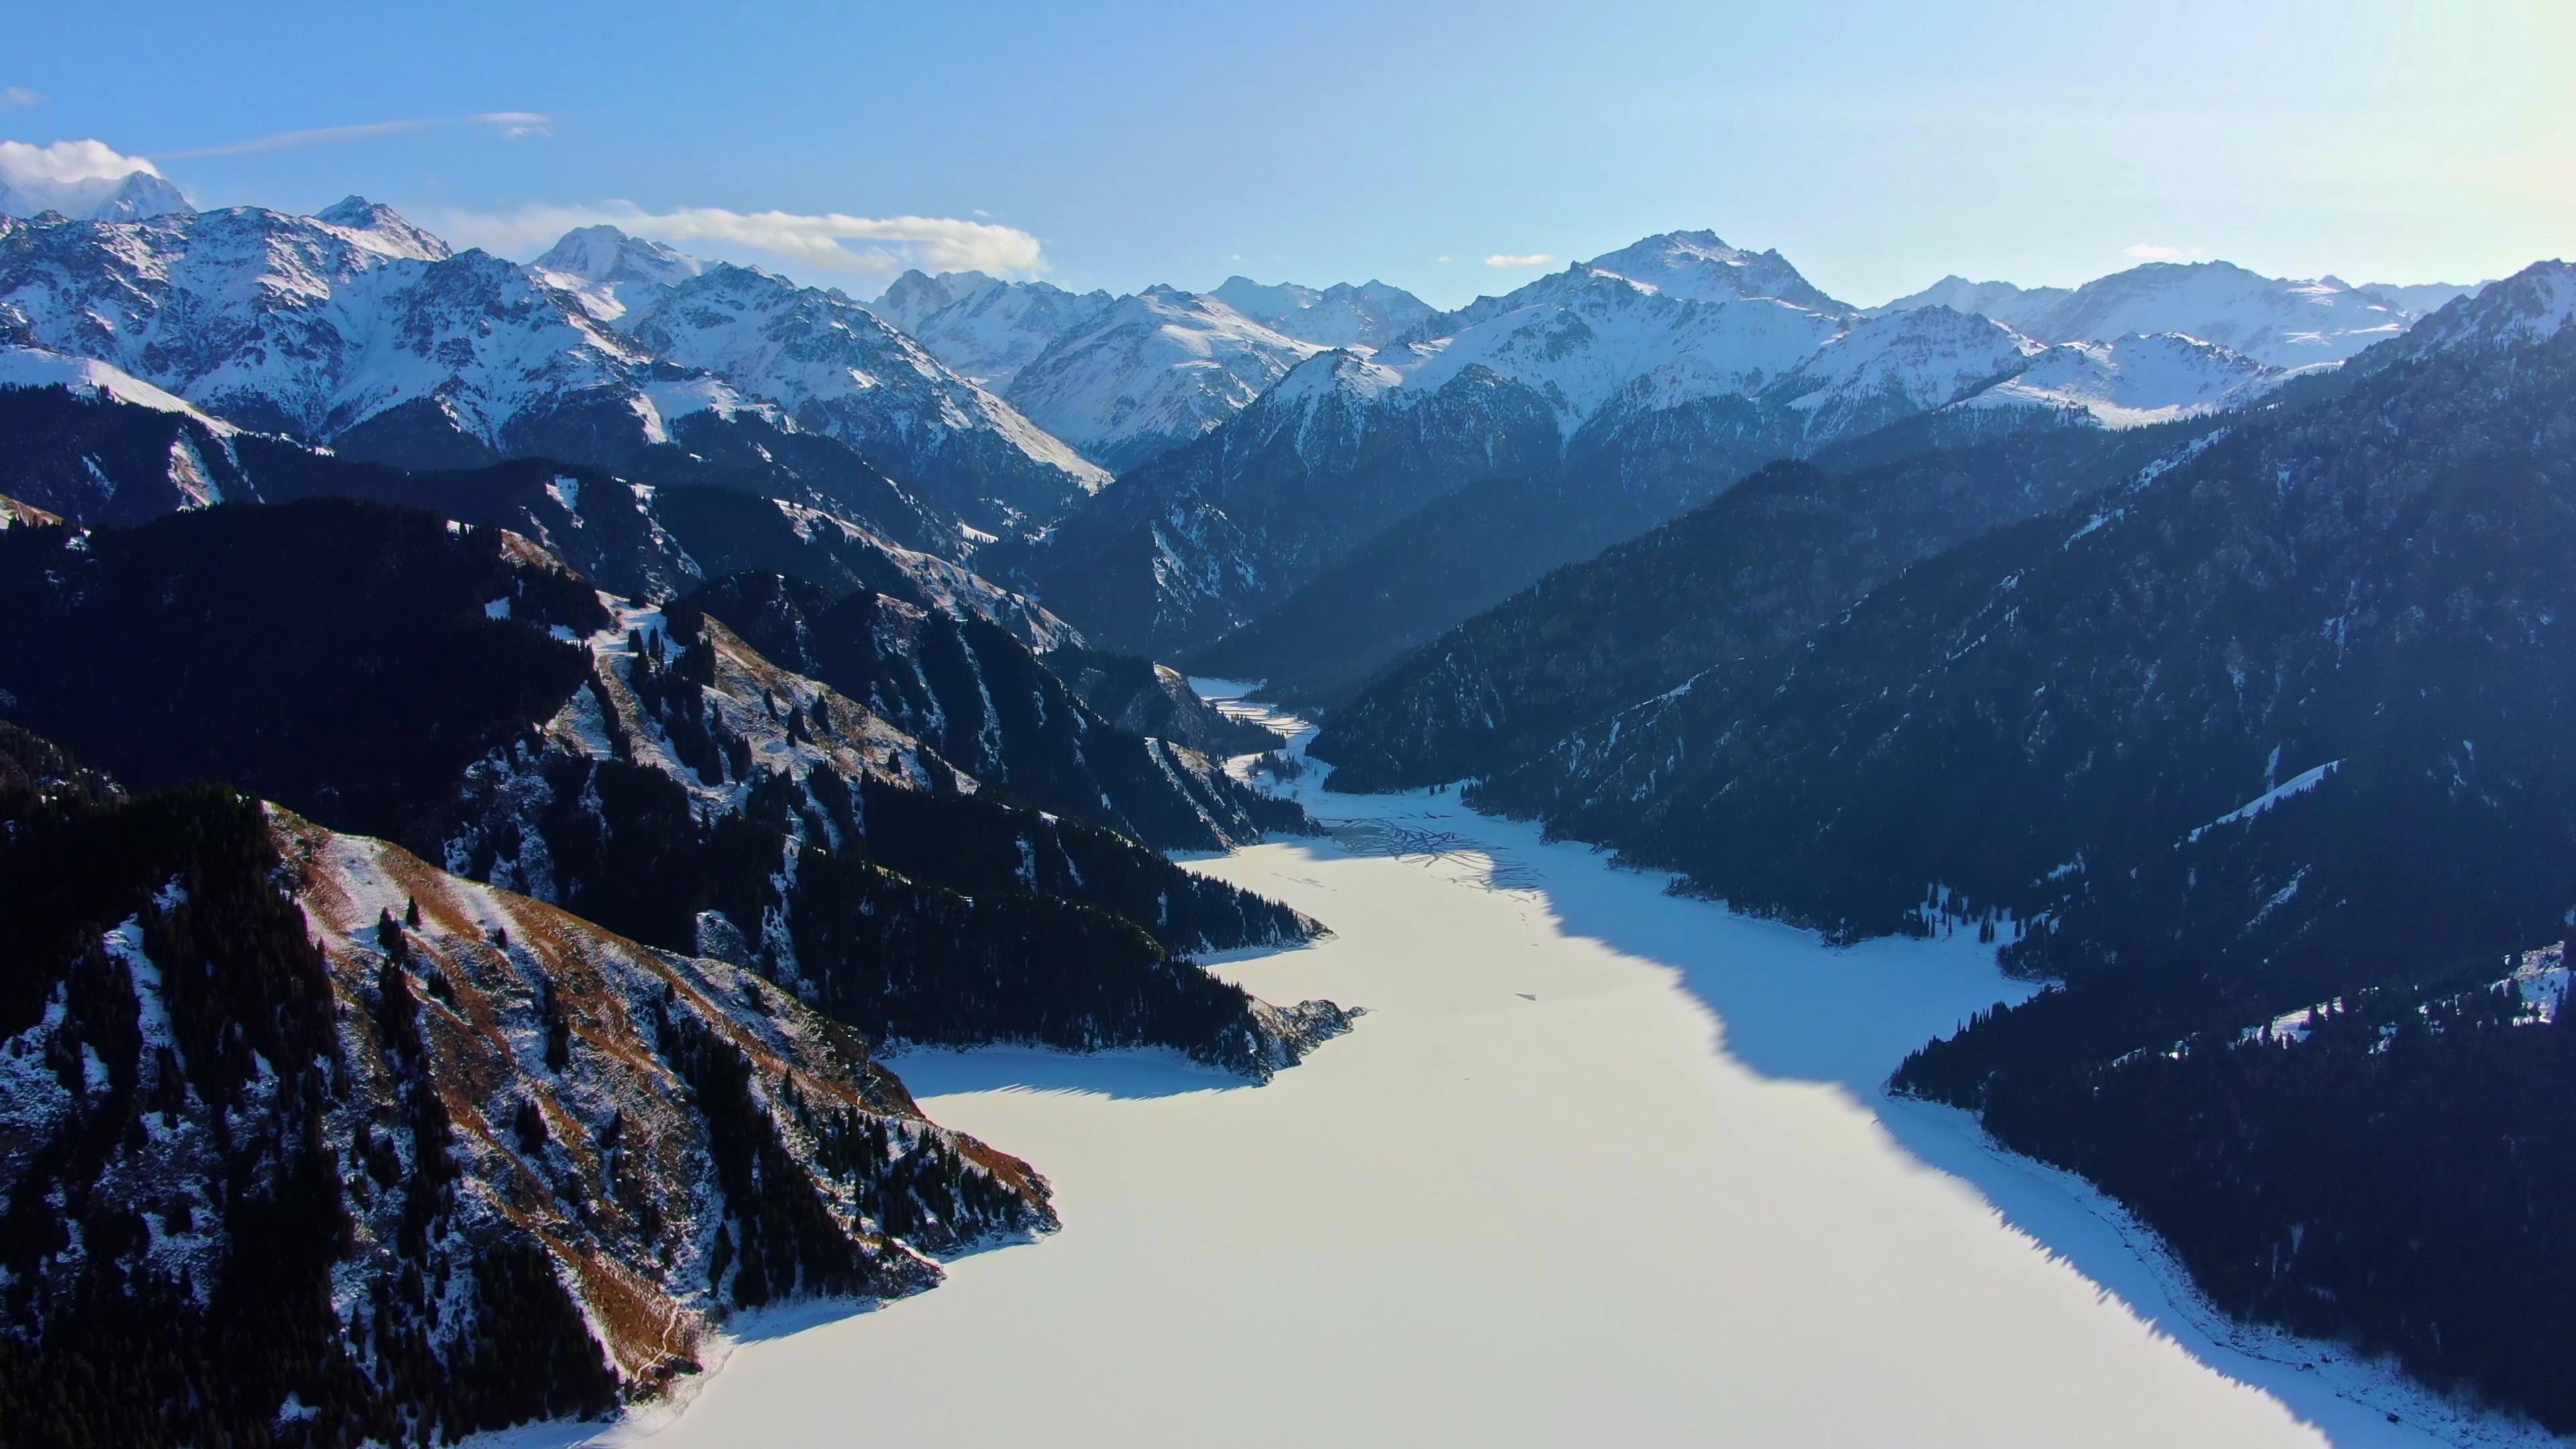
{"points": [[1601, 1166]]}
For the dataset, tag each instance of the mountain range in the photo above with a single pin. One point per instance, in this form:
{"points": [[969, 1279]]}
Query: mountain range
{"points": [[2229, 727], [495, 758]]}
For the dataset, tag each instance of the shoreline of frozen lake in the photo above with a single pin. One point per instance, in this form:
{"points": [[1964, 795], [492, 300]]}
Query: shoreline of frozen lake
{"points": [[1601, 1164]]}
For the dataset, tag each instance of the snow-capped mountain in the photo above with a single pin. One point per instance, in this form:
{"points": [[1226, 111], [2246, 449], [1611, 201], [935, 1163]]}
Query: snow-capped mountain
{"points": [[1697, 266], [840, 370], [2422, 299], [2133, 381], [610, 271], [2277, 322], [1898, 364], [2003, 301], [336, 328], [1149, 372], [1201, 540], [1342, 315], [355, 329], [2532, 305], [130, 197], [986, 328]]}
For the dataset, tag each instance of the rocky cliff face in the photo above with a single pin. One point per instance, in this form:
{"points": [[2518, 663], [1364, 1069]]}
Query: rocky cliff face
{"points": [[363, 1150]]}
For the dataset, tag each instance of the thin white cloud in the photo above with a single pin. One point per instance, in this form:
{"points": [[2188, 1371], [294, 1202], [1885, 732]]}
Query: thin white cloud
{"points": [[1521, 259], [1446, 259], [832, 242], [68, 161], [2150, 252], [20, 96], [511, 124]]}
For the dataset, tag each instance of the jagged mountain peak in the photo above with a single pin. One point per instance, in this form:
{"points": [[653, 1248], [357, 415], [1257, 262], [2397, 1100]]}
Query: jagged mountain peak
{"points": [[611, 272], [128, 197], [2005, 302], [2532, 305], [2136, 380], [1699, 266], [382, 230], [1369, 314], [913, 297], [2277, 321], [1151, 371]]}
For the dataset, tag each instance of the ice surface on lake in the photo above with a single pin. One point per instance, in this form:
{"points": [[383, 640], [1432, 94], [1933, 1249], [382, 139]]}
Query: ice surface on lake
{"points": [[1600, 1166]]}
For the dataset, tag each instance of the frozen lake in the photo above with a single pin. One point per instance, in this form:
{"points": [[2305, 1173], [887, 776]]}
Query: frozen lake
{"points": [[1600, 1166]]}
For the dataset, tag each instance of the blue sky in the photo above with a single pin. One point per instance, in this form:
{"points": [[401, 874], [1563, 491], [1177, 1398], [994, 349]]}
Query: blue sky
{"points": [[1877, 145]]}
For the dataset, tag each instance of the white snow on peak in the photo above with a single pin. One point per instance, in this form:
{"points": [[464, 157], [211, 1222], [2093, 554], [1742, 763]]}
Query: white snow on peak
{"points": [[915, 295], [1151, 371], [836, 366], [2276, 322], [1368, 315], [2533, 305], [2134, 381], [378, 228], [1698, 267], [985, 328], [612, 273], [1899, 363], [36, 367], [305, 325], [1582, 338], [2002, 301], [82, 180]]}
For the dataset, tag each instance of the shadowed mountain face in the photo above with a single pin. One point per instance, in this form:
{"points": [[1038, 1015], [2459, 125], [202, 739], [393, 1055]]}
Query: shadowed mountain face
{"points": [[990, 707], [1744, 575], [360, 1136], [391, 672]]}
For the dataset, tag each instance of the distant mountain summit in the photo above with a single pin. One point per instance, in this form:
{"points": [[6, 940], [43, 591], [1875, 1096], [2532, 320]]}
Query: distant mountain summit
{"points": [[130, 197], [986, 328], [1150, 372], [610, 271], [1700, 267], [1368, 315], [2275, 321]]}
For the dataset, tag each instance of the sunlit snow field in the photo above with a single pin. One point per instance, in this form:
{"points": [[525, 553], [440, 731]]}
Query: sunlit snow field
{"points": [[1600, 1166]]}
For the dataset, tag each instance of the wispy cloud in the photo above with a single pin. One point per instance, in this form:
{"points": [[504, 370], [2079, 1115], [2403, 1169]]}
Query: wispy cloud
{"points": [[511, 124], [1446, 259], [68, 161], [1519, 259], [832, 242], [2150, 252], [20, 96]]}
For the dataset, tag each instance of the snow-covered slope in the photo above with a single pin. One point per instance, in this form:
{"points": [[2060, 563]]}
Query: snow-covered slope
{"points": [[311, 326], [610, 271], [88, 377], [984, 327], [1150, 372], [2002, 301], [1341, 315], [1898, 364], [2532, 305], [356, 329], [2277, 322], [1697, 266], [2422, 299], [2134, 381], [842, 371]]}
